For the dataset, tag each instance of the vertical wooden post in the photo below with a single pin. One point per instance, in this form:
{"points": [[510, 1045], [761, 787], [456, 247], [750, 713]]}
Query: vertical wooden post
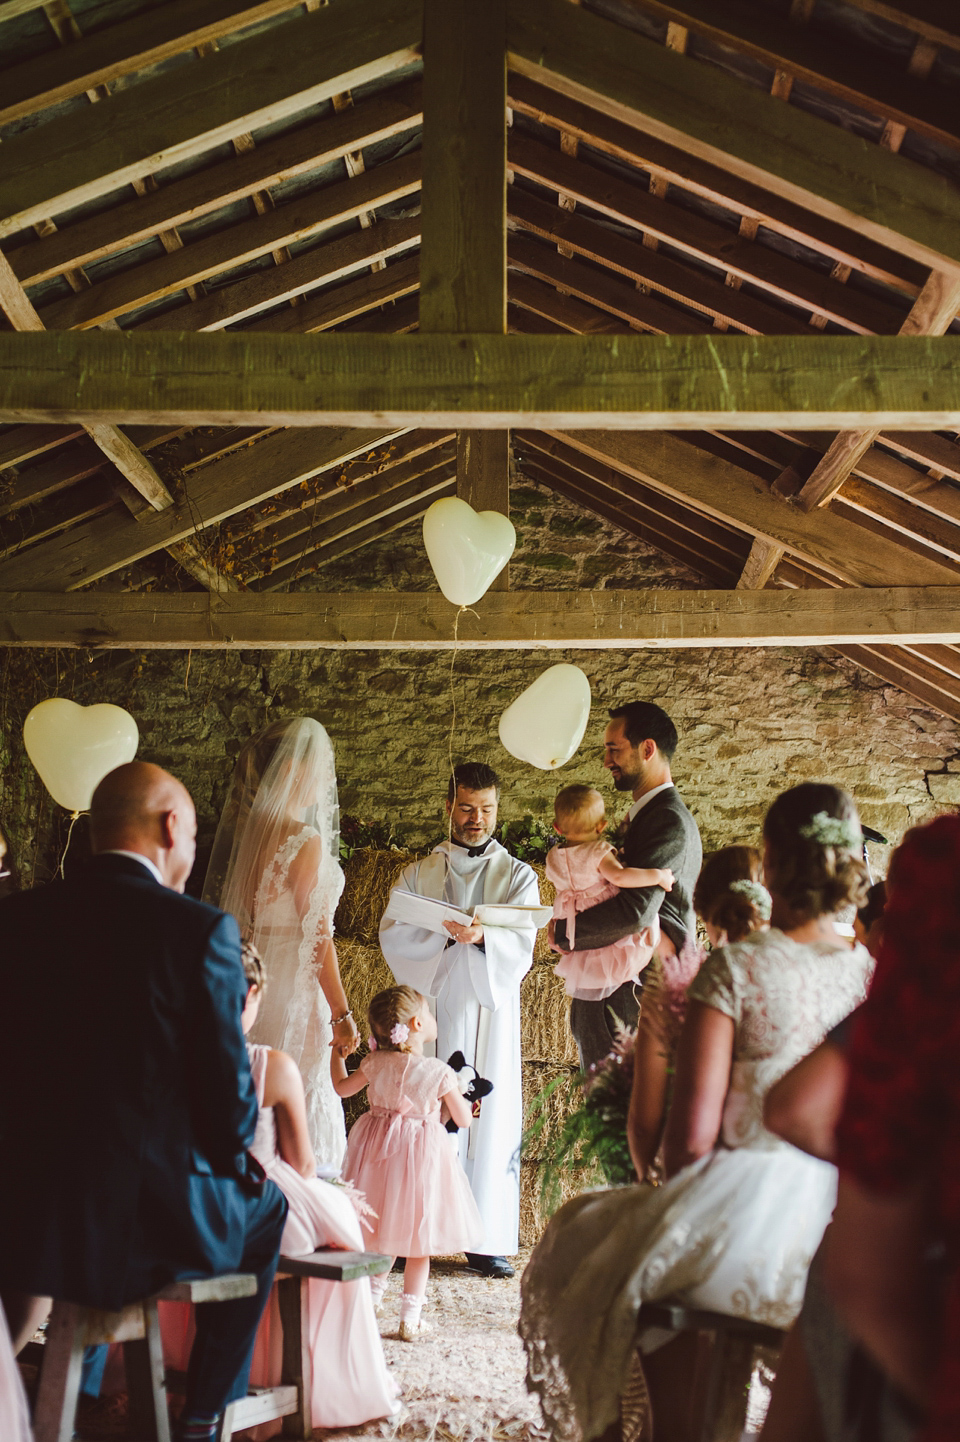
{"points": [[463, 258], [292, 1296]]}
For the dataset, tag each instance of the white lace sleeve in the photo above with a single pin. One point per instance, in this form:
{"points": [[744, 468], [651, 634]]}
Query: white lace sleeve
{"points": [[317, 921]]}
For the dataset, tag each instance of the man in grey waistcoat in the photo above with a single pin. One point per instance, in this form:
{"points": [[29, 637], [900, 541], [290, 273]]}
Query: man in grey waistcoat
{"points": [[638, 746]]}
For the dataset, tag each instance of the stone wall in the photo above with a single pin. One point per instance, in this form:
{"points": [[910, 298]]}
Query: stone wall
{"points": [[752, 722]]}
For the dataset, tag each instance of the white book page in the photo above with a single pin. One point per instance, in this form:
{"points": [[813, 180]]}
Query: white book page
{"points": [[423, 911], [519, 917]]}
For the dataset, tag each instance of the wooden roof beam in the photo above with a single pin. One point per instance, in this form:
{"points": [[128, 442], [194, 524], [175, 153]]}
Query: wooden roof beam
{"points": [[518, 620], [712, 382], [175, 202], [122, 49], [241, 88], [347, 302], [719, 119]]}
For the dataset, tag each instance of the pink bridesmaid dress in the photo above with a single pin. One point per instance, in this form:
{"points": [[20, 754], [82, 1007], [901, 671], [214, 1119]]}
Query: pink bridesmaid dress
{"points": [[351, 1383], [592, 975]]}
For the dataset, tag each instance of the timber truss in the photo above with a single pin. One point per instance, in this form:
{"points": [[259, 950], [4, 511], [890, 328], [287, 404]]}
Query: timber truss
{"points": [[277, 276]]}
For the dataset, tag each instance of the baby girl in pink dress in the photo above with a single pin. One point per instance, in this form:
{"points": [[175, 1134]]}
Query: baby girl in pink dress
{"points": [[585, 871], [399, 1153]]}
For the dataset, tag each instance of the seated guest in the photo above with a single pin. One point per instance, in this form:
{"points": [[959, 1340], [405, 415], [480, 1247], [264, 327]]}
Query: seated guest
{"points": [[735, 1226], [732, 902], [122, 1002], [351, 1384], [898, 1145]]}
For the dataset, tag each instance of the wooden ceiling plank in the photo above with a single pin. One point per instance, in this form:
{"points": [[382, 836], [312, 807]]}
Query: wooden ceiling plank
{"points": [[571, 277], [903, 516], [219, 185], [25, 442], [522, 321], [386, 619], [346, 302], [217, 491], [763, 560], [574, 315], [327, 264], [936, 452], [935, 20], [37, 483], [89, 499], [866, 80], [354, 540], [122, 49], [630, 519], [301, 219], [636, 382], [898, 668], [720, 489], [946, 658], [704, 239], [691, 526], [675, 167], [241, 88], [650, 267], [932, 314], [748, 132]]}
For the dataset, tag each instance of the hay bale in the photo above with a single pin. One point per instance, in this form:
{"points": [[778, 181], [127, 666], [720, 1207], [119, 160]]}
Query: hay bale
{"points": [[368, 878], [545, 1018], [564, 1099], [532, 1216], [548, 892]]}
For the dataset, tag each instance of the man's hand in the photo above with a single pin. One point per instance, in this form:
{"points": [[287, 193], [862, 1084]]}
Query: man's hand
{"points": [[466, 935]]}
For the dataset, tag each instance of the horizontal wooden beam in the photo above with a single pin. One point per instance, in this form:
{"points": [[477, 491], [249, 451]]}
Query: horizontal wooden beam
{"points": [[720, 119], [514, 620], [255, 82], [633, 382]]}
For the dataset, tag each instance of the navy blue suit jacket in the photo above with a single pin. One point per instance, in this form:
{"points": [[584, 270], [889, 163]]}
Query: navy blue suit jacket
{"points": [[126, 1100]]}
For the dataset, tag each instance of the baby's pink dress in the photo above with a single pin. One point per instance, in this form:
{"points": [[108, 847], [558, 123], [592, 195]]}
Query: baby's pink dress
{"points": [[400, 1155], [592, 975]]}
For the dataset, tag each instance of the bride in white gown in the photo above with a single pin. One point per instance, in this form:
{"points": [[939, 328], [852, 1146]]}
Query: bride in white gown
{"points": [[735, 1227], [275, 866]]}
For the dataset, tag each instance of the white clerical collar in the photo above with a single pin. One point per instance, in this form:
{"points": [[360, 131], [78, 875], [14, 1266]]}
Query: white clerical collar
{"points": [[151, 866], [647, 796]]}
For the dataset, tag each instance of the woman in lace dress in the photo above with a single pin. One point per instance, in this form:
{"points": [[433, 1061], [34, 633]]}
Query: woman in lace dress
{"points": [[275, 866], [735, 1227]]}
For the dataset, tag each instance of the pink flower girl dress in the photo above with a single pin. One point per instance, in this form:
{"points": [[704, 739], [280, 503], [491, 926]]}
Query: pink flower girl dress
{"points": [[593, 975], [400, 1155]]}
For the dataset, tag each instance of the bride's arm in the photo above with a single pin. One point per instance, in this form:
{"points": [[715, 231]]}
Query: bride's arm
{"points": [[704, 1057], [304, 877]]}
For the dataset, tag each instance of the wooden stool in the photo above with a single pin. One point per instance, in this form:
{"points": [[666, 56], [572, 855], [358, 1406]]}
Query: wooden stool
{"points": [[71, 1328], [721, 1387], [292, 1399]]}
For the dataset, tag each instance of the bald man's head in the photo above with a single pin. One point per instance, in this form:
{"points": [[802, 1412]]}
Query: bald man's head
{"points": [[140, 807]]}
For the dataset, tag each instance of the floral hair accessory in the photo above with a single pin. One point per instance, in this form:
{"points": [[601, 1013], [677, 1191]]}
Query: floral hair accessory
{"points": [[756, 893], [371, 1043], [833, 831], [399, 1033]]}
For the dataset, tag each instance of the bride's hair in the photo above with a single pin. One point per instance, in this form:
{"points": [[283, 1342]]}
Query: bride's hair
{"points": [[815, 857], [729, 892], [392, 1008]]}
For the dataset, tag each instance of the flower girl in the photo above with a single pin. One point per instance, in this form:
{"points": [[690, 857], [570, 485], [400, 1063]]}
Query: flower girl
{"points": [[399, 1153]]}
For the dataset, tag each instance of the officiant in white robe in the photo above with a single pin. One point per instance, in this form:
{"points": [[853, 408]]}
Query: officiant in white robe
{"points": [[473, 976]]}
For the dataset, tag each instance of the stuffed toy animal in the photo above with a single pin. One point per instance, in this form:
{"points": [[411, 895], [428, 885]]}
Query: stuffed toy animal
{"points": [[474, 1088]]}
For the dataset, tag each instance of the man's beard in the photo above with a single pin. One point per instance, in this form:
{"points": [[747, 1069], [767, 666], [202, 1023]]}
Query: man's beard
{"points": [[623, 782], [460, 834]]}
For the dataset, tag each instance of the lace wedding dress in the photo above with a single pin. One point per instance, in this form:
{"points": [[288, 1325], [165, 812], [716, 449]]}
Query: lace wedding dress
{"points": [[295, 1015], [734, 1232]]}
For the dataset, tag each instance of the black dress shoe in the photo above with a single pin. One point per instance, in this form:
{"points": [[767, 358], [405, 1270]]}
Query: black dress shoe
{"points": [[489, 1266]]}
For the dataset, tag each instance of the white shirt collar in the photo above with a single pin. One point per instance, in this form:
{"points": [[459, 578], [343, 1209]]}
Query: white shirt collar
{"points": [[639, 804], [151, 866]]}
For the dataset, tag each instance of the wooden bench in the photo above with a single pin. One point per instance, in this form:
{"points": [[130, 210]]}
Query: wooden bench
{"points": [[291, 1400], [72, 1328], [721, 1386]]}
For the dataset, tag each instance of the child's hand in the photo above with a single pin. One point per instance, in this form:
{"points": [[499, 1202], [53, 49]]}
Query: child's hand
{"points": [[667, 879]]}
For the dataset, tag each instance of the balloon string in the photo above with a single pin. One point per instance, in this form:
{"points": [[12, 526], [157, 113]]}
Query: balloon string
{"points": [[453, 707], [74, 818]]}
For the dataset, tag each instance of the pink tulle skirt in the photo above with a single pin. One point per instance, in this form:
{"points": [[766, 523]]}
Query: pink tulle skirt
{"points": [[409, 1172], [601, 971]]}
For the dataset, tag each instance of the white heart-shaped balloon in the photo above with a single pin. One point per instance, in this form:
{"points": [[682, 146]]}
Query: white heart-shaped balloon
{"points": [[545, 724], [466, 548], [73, 747]]}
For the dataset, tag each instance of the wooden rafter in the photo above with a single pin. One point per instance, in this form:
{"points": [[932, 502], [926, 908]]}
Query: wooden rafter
{"points": [[245, 86], [749, 133], [525, 620]]}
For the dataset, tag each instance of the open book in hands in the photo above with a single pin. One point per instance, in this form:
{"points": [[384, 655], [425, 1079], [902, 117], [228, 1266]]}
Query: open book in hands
{"points": [[424, 912]]}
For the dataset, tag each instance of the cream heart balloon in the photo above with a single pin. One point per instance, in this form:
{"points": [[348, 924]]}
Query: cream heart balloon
{"points": [[545, 724], [73, 747], [466, 548]]}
